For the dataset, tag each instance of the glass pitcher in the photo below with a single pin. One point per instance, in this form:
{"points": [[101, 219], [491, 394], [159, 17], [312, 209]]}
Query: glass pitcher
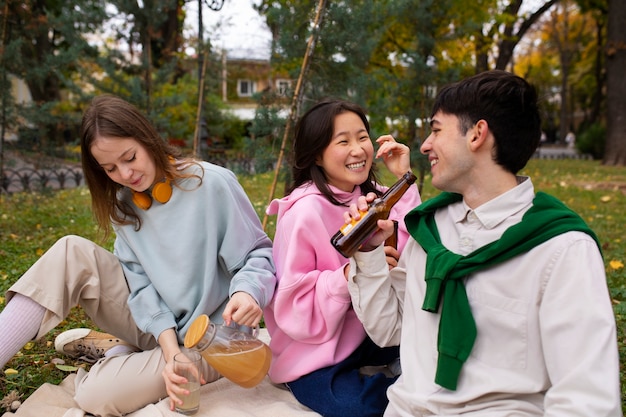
{"points": [[233, 351]]}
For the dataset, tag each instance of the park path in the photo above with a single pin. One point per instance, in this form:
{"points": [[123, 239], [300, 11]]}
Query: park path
{"points": [[557, 152]]}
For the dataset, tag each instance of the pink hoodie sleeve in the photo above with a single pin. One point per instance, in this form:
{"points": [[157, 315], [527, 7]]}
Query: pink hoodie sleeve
{"points": [[312, 297]]}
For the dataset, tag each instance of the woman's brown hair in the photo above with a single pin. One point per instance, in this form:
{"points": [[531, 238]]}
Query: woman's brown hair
{"points": [[112, 117]]}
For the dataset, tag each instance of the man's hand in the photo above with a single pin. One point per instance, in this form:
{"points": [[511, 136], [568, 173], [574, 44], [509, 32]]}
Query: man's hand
{"points": [[392, 256]]}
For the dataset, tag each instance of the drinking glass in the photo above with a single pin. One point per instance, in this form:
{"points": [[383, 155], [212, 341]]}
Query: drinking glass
{"points": [[188, 364]]}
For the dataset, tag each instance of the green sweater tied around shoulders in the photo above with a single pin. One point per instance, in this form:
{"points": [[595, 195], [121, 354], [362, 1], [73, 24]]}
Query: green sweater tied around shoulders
{"points": [[445, 270]]}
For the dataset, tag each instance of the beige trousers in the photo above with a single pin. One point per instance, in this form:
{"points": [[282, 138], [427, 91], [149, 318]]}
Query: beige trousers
{"points": [[76, 271]]}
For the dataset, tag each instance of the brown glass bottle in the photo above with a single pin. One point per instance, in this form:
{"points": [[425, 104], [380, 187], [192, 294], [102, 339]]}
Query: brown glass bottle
{"points": [[352, 235], [393, 239]]}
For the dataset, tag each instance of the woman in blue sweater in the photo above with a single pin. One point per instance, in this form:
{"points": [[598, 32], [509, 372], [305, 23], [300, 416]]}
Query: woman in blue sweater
{"points": [[188, 242]]}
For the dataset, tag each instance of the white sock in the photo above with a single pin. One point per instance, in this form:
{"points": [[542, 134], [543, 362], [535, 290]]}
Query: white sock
{"points": [[119, 350], [19, 324]]}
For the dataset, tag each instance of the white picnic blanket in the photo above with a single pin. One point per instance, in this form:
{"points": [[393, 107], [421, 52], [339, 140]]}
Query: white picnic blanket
{"points": [[218, 399], [221, 398]]}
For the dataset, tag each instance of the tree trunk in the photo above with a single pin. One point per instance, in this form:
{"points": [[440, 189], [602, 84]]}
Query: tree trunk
{"points": [[482, 57], [615, 150], [563, 41], [599, 75]]}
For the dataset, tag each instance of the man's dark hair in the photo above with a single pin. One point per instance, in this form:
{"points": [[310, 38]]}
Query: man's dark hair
{"points": [[507, 103]]}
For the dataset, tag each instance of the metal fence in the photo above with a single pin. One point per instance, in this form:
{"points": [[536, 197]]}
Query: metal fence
{"points": [[31, 179], [39, 179]]}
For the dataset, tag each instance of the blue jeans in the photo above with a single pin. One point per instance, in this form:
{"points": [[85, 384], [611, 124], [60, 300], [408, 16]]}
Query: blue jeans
{"points": [[341, 391]]}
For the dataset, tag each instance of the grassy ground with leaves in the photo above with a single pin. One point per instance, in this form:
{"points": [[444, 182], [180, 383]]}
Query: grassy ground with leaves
{"points": [[31, 223]]}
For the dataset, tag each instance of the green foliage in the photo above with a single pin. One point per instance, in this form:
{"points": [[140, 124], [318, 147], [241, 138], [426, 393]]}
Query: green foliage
{"points": [[174, 113], [266, 134], [44, 40], [226, 130], [348, 34], [387, 56], [53, 52], [592, 140]]}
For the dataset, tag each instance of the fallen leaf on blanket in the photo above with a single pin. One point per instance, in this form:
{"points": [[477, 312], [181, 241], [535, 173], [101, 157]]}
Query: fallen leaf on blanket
{"points": [[10, 371], [67, 368]]}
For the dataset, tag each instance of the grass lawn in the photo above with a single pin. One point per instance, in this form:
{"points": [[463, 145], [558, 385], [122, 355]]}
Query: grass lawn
{"points": [[31, 223]]}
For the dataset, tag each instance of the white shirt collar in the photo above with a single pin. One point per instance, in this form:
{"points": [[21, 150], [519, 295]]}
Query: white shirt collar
{"points": [[496, 210]]}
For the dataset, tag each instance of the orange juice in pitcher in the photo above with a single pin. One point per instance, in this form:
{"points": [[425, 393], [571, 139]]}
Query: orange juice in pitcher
{"points": [[234, 352]]}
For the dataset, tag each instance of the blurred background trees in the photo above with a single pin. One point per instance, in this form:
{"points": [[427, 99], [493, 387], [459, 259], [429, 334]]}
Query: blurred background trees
{"points": [[390, 56]]}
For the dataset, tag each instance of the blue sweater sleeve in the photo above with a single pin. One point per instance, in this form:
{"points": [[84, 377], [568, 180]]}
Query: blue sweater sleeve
{"points": [[245, 249]]}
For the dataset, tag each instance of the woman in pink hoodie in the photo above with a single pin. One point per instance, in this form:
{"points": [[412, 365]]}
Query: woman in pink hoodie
{"points": [[319, 346]]}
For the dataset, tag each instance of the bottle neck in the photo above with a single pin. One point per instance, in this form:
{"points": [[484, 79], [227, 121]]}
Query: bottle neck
{"points": [[397, 190]]}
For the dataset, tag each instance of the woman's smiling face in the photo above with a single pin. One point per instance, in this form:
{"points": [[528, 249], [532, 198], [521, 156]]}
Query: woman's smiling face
{"points": [[348, 158]]}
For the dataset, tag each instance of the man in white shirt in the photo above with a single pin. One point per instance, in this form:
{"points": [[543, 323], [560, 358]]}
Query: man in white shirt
{"points": [[499, 301]]}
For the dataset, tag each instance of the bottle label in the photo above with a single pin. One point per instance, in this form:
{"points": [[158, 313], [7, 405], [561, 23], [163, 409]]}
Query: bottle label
{"points": [[345, 229]]}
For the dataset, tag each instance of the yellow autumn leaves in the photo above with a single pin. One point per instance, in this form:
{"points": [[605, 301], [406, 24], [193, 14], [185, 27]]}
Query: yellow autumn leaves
{"points": [[11, 371]]}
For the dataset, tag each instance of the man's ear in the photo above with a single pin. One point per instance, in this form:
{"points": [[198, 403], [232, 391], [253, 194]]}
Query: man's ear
{"points": [[480, 132]]}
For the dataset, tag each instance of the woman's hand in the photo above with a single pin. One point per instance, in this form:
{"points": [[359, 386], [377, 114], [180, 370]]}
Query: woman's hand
{"points": [[396, 156], [169, 345], [173, 384], [385, 227], [242, 309], [356, 210]]}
